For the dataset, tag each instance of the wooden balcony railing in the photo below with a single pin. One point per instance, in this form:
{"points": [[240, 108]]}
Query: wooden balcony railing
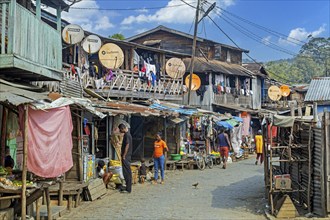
{"points": [[27, 37], [230, 99], [126, 81]]}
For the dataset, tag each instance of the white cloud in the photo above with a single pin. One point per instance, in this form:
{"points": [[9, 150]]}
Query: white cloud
{"points": [[172, 13], [103, 24], [143, 10], [301, 34], [90, 20], [266, 40]]}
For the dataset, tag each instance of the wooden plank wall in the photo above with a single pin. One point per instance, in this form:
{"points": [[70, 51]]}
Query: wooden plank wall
{"points": [[73, 173]]}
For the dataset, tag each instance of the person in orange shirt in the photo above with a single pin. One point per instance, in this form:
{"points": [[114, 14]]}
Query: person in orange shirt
{"points": [[159, 158]]}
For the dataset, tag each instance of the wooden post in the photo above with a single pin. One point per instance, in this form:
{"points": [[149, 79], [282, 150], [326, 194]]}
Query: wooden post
{"points": [[309, 170], [3, 134], [58, 19], [292, 109], [60, 193], [132, 59], [37, 209], [49, 210], [315, 118], [24, 170], [271, 171], [326, 122], [38, 9], [79, 135]]}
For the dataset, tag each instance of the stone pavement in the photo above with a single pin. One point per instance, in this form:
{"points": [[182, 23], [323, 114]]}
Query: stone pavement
{"points": [[234, 193]]}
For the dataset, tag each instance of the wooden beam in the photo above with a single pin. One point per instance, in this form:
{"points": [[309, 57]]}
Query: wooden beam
{"points": [[24, 170], [58, 19], [3, 134], [38, 9]]}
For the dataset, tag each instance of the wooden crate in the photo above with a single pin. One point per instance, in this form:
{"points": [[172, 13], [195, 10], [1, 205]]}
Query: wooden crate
{"points": [[96, 189]]}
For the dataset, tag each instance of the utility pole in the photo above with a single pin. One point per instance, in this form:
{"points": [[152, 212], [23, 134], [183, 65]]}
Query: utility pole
{"points": [[197, 20], [193, 51]]}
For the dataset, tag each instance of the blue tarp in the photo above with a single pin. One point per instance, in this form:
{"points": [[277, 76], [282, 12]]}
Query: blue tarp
{"points": [[183, 111], [224, 124], [238, 119]]}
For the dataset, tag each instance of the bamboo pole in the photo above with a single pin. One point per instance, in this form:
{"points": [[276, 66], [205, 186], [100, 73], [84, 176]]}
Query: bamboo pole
{"points": [[24, 170], [79, 134]]}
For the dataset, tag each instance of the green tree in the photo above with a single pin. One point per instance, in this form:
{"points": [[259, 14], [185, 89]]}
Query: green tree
{"points": [[313, 60], [117, 36]]}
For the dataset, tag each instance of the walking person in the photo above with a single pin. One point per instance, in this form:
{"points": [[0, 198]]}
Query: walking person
{"points": [[259, 147], [126, 154], [159, 158], [224, 147]]}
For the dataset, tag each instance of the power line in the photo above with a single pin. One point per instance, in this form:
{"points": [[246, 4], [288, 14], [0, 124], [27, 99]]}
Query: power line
{"points": [[126, 9], [268, 30]]}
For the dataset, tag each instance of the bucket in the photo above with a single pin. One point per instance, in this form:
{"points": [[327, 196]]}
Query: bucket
{"points": [[117, 170], [176, 156]]}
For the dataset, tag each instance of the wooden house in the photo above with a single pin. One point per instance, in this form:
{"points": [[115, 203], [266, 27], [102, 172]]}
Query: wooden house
{"points": [[30, 48], [225, 84]]}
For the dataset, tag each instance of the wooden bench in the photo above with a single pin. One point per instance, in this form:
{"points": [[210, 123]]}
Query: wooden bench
{"points": [[170, 165], [71, 190]]}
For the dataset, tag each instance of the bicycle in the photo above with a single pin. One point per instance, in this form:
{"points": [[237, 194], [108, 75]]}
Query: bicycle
{"points": [[202, 159]]}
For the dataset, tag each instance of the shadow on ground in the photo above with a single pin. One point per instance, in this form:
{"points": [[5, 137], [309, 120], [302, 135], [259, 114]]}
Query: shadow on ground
{"points": [[247, 194]]}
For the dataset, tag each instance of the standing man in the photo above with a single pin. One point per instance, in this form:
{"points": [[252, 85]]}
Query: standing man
{"points": [[224, 147], [126, 153], [259, 145], [159, 158]]}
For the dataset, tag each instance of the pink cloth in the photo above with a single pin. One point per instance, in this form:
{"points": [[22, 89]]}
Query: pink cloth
{"points": [[49, 141]]}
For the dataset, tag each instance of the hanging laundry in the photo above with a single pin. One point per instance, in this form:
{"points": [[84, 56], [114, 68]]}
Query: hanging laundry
{"points": [[153, 78]]}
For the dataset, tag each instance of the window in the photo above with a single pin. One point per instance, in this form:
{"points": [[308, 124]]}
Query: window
{"points": [[228, 56]]}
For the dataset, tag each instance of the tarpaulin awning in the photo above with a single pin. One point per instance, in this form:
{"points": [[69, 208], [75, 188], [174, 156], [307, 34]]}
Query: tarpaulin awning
{"points": [[63, 101], [224, 124], [232, 122], [283, 121], [239, 119], [184, 111]]}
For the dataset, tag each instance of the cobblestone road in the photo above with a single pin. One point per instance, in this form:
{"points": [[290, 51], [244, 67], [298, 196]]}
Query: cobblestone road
{"points": [[234, 193]]}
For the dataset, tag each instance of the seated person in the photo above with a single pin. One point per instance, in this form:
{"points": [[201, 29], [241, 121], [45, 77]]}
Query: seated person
{"points": [[9, 161], [142, 171]]}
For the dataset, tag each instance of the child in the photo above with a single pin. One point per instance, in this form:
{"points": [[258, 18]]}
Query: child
{"points": [[142, 171]]}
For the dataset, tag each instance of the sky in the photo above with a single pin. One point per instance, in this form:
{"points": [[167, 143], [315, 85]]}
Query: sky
{"points": [[269, 29]]}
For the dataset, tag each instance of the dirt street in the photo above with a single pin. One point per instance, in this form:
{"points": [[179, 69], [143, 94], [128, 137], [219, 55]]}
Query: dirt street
{"points": [[234, 193]]}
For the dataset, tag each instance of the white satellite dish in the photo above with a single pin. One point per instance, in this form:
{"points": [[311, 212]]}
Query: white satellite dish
{"points": [[91, 44], [111, 56], [175, 68], [72, 34]]}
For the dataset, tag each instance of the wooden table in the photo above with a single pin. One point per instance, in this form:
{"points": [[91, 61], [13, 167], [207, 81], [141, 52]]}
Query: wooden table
{"points": [[32, 195]]}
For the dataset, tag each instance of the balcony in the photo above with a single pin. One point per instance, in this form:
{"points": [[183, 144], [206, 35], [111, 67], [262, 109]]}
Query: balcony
{"points": [[127, 84], [230, 99], [29, 48]]}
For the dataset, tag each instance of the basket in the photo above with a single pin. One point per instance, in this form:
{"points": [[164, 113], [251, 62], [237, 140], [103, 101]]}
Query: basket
{"points": [[175, 156]]}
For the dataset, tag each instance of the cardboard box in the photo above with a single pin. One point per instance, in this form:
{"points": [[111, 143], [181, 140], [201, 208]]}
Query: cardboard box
{"points": [[282, 181]]}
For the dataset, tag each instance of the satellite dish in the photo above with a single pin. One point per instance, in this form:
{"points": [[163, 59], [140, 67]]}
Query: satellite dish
{"points": [[175, 68], [111, 56], [91, 44], [274, 93], [72, 34], [195, 82], [285, 90]]}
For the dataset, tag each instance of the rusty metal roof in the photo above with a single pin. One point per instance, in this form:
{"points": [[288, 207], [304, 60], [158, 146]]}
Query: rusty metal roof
{"points": [[202, 65], [116, 108], [319, 90]]}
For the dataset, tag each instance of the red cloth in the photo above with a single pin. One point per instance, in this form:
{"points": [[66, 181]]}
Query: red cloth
{"points": [[49, 141], [224, 151], [273, 132]]}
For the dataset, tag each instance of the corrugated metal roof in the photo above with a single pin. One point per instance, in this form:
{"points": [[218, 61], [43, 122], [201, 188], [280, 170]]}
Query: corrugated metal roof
{"points": [[180, 110], [116, 108], [319, 90], [201, 65], [16, 96]]}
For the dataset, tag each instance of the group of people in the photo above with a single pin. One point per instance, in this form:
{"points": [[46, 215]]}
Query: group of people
{"points": [[126, 154], [225, 146], [160, 146]]}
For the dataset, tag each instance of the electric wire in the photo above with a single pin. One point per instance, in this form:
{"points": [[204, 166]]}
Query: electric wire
{"points": [[126, 9]]}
